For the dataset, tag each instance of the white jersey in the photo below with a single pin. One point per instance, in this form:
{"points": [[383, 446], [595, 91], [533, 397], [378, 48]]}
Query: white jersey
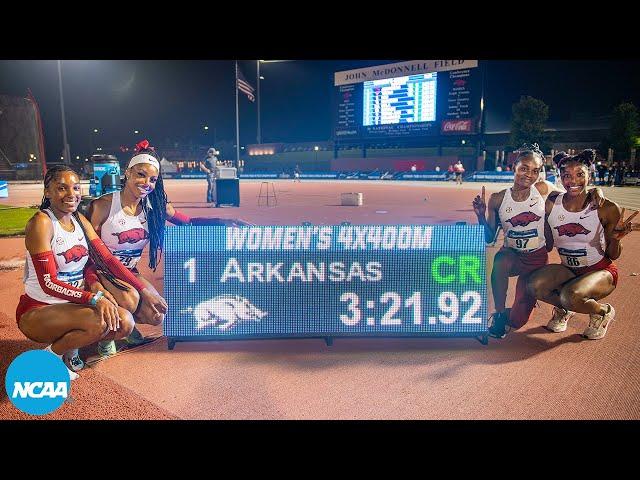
{"points": [[71, 252], [523, 222], [125, 235], [578, 236]]}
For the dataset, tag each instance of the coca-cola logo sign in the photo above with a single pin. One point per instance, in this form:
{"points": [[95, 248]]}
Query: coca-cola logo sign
{"points": [[455, 126]]}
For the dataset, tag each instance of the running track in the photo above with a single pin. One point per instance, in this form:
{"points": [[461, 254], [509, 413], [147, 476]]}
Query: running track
{"points": [[531, 374]]}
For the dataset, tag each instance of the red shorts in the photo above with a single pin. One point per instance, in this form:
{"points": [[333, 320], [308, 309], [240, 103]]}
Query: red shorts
{"points": [[27, 303], [604, 264], [523, 264], [527, 262]]}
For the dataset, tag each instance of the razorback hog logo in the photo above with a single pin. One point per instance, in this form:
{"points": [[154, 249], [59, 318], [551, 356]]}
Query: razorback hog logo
{"points": [[224, 311], [523, 219], [75, 253], [571, 230], [459, 83], [132, 235]]}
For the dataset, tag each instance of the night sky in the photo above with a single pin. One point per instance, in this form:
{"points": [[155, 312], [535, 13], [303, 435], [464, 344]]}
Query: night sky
{"points": [[171, 100]]}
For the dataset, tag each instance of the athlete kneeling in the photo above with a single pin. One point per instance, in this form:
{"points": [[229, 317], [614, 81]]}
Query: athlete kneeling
{"points": [[520, 211], [127, 221]]}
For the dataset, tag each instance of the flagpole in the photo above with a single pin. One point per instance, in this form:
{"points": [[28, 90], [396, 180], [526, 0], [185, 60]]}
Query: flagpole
{"points": [[237, 121]]}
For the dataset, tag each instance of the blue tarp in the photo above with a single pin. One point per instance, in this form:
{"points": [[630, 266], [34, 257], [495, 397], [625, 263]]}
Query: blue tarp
{"points": [[424, 175], [491, 176]]}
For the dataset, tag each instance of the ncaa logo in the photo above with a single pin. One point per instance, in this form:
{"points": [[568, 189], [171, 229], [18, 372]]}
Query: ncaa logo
{"points": [[37, 382]]}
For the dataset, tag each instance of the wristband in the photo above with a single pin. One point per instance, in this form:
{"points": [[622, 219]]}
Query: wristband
{"points": [[97, 297]]}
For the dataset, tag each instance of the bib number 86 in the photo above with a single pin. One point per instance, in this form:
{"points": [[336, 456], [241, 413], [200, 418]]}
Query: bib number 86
{"points": [[573, 262]]}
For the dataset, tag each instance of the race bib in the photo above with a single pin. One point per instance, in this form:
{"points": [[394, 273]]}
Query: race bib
{"points": [[127, 261], [75, 279], [523, 241], [128, 258], [573, 258]]}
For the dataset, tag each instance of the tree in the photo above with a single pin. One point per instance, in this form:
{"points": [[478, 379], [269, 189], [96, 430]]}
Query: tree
{"points": [[624, 130], [529, 117]]}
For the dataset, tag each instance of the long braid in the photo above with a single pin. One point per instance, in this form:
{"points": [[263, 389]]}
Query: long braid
{"points": [[52, 174], [155, 210], [156, 217]]}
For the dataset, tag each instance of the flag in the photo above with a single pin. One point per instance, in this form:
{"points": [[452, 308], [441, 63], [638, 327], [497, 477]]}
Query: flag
{"points": [[245, 87]]}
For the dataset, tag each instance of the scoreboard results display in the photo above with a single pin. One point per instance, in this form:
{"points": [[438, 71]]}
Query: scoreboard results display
{"points": [[324, 281], [416, 98]]}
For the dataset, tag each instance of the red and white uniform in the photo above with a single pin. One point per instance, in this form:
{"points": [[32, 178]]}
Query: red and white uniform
{"points": [[578, 236], [523, 222], [125, 235], [523, 225], [71, 253]]}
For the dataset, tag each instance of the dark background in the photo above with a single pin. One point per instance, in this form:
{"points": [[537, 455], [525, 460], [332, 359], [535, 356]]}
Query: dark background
{"points": [[171, 100]]}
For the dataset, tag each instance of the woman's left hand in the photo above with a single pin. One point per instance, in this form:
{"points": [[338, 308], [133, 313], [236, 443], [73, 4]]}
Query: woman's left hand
{"points": [[624, 227], [158, 303]]}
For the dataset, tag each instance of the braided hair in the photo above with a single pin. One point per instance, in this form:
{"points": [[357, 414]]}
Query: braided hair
{"points": [[527, 149], [155, 210], [585, 157], [53, 174]]}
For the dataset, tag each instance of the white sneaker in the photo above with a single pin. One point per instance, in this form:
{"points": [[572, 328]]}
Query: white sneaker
{"points": [[72, 375], [73, 361], [598, 324], [558, 322]]}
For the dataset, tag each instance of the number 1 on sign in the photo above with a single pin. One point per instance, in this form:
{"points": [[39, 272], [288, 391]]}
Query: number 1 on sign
{"points": [[415, 301], [191, 265]]}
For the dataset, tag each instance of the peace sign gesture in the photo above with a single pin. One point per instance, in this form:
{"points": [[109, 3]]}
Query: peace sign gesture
{"points": [[479, 204], [624, 227]]}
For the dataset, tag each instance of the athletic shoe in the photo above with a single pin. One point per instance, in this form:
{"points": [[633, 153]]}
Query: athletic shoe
{"points": [[558, 322], [135, 337], [73, 360], [498, 325], [72, 375], [598, 324], [107, 348]]}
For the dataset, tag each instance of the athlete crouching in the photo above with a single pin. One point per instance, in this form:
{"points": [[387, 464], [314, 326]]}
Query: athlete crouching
{"points": [[55, 308], [520, 211], [587, 239], [127, 221]]}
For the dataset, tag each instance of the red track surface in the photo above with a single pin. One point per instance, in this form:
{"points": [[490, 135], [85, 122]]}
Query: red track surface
{"points": [[531, 374]]}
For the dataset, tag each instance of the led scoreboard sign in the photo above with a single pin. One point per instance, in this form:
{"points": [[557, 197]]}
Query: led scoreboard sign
{"points": [[418, 98], [324, 281]]}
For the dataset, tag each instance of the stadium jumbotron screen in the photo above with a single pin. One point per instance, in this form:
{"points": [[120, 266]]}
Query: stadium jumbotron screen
{"points": [[408, 99], [400, 100]]}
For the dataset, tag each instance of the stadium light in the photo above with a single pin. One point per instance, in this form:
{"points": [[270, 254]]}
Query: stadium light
{"points": [[65, 147], [258, 78]]}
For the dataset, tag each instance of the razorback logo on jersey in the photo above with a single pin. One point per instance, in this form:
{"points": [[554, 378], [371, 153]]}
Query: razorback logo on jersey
{"points": [[75, 253], [132, 235], [523, 219], [571, 230]]}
